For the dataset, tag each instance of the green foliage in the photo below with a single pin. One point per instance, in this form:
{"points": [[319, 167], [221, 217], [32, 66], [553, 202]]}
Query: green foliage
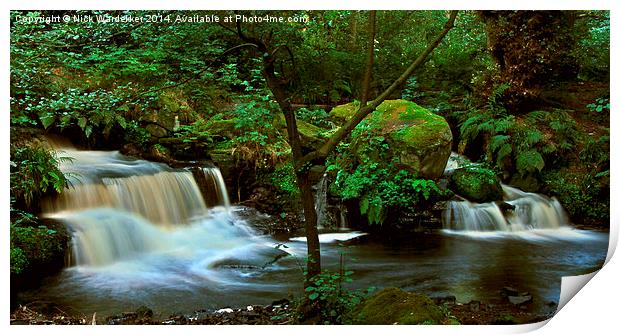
{"points": [[18, 260], [326, 289], [411, 90], [583, 195], [595, 154], [283, 178], [318, 117], [377, 182], [600, 105], [34, 245], [34, 172], [524, 145], [592, 34]]}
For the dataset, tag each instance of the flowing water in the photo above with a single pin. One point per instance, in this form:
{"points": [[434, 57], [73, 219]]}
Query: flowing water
{"points": [[143, 235]]}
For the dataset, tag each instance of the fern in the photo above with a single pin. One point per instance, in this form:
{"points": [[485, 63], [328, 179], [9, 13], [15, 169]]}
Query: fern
{"points": [[497, 141], [487, 127], [530, 161], [537, 116], [532, 137], [505, 124], [503, 152]]}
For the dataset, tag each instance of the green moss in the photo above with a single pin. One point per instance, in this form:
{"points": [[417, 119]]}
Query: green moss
{"points": [[419, 139], [476, 184], [33, 247], [395, 306], [344, 112]]}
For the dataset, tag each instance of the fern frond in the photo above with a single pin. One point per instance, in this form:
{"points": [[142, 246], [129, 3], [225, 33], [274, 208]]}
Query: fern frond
{"points": [[497, 141], [530, 161], [505, 124], [532, 137]]}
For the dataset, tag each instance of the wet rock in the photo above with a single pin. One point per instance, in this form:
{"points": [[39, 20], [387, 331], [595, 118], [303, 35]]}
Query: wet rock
{"points": [[520, 300], [418, 140], [476, 184], [474, 306], [445, 300], [224, 310], [504, 206], [508, 291]]}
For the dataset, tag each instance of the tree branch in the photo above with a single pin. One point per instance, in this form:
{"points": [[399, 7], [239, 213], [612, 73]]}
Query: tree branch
{"points": [[363, 111]]}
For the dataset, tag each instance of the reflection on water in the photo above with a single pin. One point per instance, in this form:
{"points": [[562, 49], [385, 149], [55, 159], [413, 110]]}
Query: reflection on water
{"points": [[184, 280], [142, 235]]}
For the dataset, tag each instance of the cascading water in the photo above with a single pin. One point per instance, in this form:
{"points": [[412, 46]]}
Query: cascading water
{"points": [[518, 213], [215, 175], [120, 209], [320, 201], [526, 211], [143, 236]]}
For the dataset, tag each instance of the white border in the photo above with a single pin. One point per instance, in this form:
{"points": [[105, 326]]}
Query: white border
{"points": [[593, 310]]}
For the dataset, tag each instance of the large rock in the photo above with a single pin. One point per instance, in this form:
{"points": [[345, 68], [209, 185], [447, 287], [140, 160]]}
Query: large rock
{"points": [[395, 306], [418, 139], [476, 184]]}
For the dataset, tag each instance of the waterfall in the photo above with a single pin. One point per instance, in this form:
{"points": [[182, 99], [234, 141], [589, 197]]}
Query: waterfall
{"points": [[214, 175], [119, 209], [164, 198], [320, 202], [525, 211]]}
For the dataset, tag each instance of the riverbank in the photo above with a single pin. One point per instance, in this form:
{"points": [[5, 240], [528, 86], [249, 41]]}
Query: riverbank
{"points": [[278, 313]]}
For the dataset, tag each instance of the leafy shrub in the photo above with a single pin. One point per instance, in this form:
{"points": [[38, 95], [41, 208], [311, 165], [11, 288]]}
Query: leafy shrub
{"points": [[335, 301], [583, 195], [318, 117], [31, 246], [522, 146], [600, 105], [34, 172], [18, 260], [377, 182], [283, 178]]}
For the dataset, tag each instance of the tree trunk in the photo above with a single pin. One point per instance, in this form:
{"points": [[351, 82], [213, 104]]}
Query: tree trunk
{"points": [[371, 58], [312, 232], [302, 162]]}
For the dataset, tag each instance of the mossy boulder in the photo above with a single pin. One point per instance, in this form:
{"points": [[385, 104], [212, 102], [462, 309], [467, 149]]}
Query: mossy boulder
{"points": [[342, 113], [395, 306], [418, 140], [476, 184], [310, 135]]}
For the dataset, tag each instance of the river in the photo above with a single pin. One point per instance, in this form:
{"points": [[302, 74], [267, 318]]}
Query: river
{"points": [[143, 234]]}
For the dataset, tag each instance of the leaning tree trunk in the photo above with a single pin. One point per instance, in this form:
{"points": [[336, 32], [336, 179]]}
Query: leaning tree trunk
{"points": [[302, 162]]}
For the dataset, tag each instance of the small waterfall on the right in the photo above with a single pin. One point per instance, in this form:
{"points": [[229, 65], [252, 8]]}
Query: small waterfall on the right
{"points": [[520, 211]]}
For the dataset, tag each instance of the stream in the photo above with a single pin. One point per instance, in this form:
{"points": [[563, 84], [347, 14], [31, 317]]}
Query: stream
{"points": [[143, 234]]}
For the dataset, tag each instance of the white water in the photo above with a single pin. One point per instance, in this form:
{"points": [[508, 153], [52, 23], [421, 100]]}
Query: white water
{"points": [[124, 211], [531, 211], [320, 202], [332, 237], [215, 175], [534, 216]]}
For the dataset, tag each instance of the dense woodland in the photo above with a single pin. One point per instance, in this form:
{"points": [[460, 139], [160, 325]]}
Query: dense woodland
{"points": [[276, 105]]}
